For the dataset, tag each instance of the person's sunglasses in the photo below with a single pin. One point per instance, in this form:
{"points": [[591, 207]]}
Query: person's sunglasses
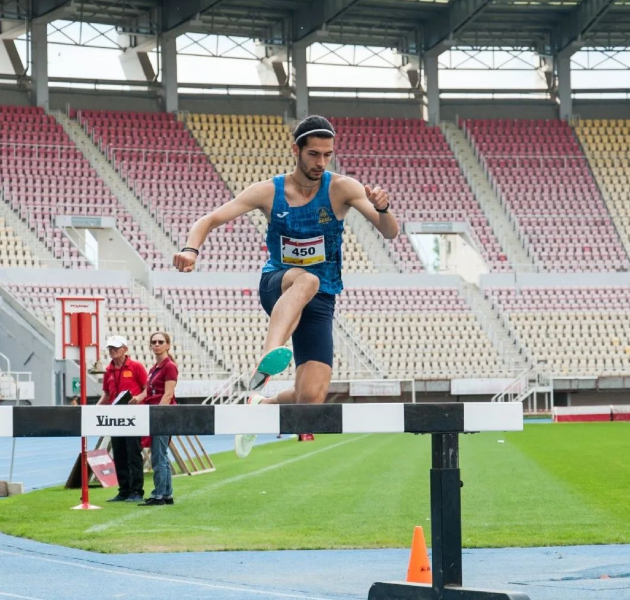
{"points": [[158, 342]]}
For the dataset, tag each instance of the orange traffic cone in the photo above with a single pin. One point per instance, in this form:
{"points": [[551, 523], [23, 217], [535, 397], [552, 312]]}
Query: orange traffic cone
{"points": [[419, 570]]}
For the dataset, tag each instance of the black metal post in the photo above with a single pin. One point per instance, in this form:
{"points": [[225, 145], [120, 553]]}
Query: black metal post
{"points": [[446, 536], [446, 512]]}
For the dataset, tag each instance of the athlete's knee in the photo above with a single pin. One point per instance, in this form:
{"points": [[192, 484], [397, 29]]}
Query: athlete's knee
{"points": [[312, 391], [307, 283], [311, 396]]}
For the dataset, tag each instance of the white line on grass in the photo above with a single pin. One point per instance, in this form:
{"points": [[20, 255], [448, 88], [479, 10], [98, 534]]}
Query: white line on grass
{"points": [[7, 595], [214, 485], [118, 571]]}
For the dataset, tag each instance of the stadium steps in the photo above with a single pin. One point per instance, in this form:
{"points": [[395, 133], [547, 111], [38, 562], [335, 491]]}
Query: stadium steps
{"points": [[511, 353], [374, 245], [118, 187], [22, 230], [487, 198], [356, 353], [182, 339]]}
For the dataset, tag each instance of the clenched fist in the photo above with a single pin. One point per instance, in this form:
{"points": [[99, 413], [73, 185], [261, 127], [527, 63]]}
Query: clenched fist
{"points": [[377, 196], [185, 261]]}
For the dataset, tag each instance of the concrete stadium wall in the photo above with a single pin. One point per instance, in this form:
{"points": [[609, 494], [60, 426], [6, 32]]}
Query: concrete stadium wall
{"points": [[385, 280], [451, 109], [222, 279], [553, 279], [28, 351], [74, 277]]}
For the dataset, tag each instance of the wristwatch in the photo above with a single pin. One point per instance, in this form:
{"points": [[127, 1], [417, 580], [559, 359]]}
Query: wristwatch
{"points": [[382, 210]]}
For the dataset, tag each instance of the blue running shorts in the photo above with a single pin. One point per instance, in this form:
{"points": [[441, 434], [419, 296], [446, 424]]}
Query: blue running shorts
{"points": [[313, 337]]}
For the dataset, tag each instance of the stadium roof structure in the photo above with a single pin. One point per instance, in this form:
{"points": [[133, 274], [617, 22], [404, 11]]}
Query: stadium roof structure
{"points": [[414, 27]]}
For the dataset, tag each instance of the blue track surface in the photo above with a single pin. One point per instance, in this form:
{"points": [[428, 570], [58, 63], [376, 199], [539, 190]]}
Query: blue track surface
{"points": [[33, 570]]}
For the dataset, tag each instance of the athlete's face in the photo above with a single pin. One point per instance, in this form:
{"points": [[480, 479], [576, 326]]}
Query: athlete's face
{"points": [[313, 159]]}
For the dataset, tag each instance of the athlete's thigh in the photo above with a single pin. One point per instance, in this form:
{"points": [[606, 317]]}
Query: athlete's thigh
{"points": [[290, 275], [313, 337]]}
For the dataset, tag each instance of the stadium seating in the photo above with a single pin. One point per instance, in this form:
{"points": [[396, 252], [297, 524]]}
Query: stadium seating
{"points": [[13, 252], [414, 163], [416, 333], [173, 178], [606, 143], [549, 193], [44, 175], [126, 315], [231, 323], [250, 148], [579, 331]]}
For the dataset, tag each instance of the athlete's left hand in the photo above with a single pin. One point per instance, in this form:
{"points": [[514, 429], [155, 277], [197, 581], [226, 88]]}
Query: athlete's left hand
{"points": [[377, 196]]}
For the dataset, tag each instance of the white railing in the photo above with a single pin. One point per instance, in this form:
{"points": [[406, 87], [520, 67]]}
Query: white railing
{"points": [[526, 387], [357, 365], [40, 150], [166, 157], [516, 389], [346, 331], [505, 349], [229, 392]]}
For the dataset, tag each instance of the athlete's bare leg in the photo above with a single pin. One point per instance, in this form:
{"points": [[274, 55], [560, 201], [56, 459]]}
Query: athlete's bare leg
{"points": [[312, 380], [298, 289]]}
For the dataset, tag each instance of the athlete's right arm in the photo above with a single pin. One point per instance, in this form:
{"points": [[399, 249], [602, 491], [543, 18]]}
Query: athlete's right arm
{"points": [[258, 195]]}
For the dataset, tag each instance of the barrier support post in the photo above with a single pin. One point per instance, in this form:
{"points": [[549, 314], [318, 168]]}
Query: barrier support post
{"points": [[446, 536], [84, 331]]}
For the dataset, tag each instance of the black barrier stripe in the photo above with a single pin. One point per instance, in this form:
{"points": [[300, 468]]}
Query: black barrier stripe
{"points": [[431, 418], [46, 421], [185, 420], [306, 418]]}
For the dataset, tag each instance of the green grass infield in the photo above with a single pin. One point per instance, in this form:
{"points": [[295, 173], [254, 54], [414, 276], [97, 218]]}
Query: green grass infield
{"points": [[551, 485]]}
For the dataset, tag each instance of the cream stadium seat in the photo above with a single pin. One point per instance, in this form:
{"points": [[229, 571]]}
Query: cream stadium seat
{"points": [[606, 144], [133, 321], [421, 333], [578, 331]]}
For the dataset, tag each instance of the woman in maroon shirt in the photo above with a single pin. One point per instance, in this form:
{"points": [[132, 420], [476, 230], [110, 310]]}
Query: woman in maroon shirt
{"points": [[160, 390]]}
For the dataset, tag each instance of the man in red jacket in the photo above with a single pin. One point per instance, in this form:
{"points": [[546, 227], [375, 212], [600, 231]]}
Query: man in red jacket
{"points": [[123, 374]]}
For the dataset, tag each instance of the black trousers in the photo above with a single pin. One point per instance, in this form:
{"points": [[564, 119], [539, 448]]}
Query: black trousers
{"points": [[129, 465]]}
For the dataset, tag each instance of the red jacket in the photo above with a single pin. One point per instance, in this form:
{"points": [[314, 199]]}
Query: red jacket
{"points": [[158, 376], [131, 376]]}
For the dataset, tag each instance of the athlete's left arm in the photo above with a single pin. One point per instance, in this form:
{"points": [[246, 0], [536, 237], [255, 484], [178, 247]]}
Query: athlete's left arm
{"points": [[366, 200]]}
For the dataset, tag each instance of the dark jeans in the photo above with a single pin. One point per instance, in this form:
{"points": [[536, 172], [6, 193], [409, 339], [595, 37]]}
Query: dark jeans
{"points": [[161, 467], [129, 465]]}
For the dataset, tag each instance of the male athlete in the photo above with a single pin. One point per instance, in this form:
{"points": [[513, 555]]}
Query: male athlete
{"points": [[305, 210]]}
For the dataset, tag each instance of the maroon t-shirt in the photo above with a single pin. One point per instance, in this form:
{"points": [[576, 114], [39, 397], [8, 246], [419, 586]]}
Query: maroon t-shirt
{"points": [[131, 376], [158, 376]]}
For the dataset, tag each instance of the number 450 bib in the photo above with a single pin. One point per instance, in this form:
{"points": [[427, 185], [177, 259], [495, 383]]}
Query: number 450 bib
{"points": [[303, 252]]}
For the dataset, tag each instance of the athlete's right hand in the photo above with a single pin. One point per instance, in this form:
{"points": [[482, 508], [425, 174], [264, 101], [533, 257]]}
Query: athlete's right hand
{"points": [[185, 261]]}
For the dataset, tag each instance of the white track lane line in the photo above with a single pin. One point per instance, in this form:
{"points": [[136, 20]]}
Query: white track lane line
{"points": [[118, 571], [7, 595], [219, 484]]}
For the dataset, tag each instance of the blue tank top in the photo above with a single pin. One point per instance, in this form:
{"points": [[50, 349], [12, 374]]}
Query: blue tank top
{"points": [[308, 236]]}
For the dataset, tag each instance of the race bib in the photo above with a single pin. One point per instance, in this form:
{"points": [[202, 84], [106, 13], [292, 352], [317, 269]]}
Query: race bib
{"points": [[303, 252]]}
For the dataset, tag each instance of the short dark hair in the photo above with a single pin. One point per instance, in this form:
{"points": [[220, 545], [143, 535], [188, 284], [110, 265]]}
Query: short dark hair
{"points": [[312, 123]]}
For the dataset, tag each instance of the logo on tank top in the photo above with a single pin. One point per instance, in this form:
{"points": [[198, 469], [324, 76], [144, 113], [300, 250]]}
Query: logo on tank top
{"points": [[324, 216]]}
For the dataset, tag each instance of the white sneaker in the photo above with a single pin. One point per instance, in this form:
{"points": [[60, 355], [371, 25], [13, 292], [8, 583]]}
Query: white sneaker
{"points": [[243, 443]]}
